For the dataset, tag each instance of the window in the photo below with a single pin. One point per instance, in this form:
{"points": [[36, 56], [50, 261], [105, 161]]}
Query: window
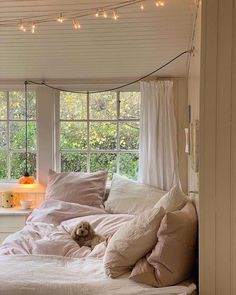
{"points": [[12, 134], [100, 131]]}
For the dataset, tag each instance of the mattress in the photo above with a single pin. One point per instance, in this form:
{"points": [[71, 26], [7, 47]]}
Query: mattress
{"points": [[40, 275], [42, 258]]}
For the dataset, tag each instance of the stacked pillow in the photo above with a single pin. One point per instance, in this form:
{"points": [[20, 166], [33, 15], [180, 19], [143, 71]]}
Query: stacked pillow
{"points": [[172, 259], [77, 187], [158, 244], [131, 197]]}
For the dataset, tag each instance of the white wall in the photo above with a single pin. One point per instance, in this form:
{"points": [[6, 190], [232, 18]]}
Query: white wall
{"points": [[218, 149], [194, 93], [181, 112]]}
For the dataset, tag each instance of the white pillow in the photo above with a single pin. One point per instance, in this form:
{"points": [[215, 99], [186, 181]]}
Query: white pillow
{"points": [[132, 241], [174, 200], [131, 197]]}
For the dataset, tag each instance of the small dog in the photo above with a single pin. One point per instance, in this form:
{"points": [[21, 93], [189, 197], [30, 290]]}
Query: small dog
{"points": [[84, 235]]}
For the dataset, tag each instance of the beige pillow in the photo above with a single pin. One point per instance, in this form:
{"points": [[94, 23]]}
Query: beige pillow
{"points": [[132, 241], [131, 197], [172, 259], [174, 200], [77, 187]]}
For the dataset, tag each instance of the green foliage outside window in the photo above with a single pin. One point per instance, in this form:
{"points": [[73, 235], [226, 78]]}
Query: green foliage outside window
{"points": [[106, 137], [12, 134]]}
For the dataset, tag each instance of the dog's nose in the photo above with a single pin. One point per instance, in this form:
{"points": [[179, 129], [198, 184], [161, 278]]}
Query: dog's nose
{"points": [[82, 231]]}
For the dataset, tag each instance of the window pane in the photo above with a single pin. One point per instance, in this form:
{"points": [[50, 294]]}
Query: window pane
{"points": [[103, 136], [17, 105], [102, 161], [3, 135], [129, 136], [103, 106], [129, 165], [73, 162], [3, 105], [18, 164], [129, 105], [73, 106], [3, 165], [17, 135], [73, 135]]}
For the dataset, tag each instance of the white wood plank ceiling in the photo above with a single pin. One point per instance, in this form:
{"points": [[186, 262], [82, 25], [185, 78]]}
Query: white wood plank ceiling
{"points": [[136, 44]]}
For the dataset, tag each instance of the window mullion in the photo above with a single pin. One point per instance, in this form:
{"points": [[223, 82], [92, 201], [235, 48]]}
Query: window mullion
{"points": [[118, 134], [88, 133], [8, 138]]}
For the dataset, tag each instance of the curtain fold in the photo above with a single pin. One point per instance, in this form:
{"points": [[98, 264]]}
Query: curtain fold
{"points": [[158, 164]]}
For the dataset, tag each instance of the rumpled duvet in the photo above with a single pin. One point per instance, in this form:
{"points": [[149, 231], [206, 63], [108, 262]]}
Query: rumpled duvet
{"points": [[42, 258]]}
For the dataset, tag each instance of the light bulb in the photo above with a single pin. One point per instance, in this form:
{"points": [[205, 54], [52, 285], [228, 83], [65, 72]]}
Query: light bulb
{"points": [[76, 24], [61, 18], [22, 27], [104, 14], [160, 3], [115, 15], [97, 13], [141, 6], [33, 26]]}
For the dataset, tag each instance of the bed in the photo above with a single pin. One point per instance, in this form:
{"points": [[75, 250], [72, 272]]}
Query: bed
{"points": [[42, 258]]}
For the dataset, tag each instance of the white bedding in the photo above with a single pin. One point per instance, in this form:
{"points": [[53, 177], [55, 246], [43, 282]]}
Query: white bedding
{"points": [[55, 275], [43, 259]]}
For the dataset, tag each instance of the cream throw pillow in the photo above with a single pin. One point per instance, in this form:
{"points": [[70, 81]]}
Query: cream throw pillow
{"points": [[174, 200], [131, 197], [172, 259], [132, 241]]}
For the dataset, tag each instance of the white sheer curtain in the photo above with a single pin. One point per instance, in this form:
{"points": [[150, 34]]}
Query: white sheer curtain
{"points": [[158, 165]]}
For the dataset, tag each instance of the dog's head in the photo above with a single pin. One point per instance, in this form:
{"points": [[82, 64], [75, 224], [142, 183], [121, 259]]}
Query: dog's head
{"points": [[84, 229]]}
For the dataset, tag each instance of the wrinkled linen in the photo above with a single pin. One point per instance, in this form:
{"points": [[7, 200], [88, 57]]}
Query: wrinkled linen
{"points": [[55, 275], [43, 259], [47, 230]]}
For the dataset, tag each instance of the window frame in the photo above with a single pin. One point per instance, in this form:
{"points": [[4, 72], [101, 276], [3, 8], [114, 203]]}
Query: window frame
{"points": [[89, 151], [8, 149]]}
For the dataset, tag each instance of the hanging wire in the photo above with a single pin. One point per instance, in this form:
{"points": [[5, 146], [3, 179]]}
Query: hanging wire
{"points": [[26, 174], [113, 88]]}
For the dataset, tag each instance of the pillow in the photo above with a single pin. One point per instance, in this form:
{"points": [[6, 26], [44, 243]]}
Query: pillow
{"points": [[173, 258], [131, 197], [132, 241], [77, 187], [174, 200]]}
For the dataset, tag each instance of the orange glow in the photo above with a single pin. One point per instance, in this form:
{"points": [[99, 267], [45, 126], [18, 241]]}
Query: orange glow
{"points": [[26, 180]]}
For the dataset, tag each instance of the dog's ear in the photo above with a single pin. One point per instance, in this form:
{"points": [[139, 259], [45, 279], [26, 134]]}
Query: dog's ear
{"points": [[91, 231], [74, 232]]}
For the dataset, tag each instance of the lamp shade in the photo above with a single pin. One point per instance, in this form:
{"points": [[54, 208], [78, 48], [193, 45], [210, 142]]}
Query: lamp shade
{"points": [[26, 180]]}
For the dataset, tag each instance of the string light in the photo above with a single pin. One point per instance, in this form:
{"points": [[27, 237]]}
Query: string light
{"points": [[105, 14], [21, 26], [33, 26], [76, 24], [141, 6], [70, 14], [60, 18], [115, 15], [160, 3]]}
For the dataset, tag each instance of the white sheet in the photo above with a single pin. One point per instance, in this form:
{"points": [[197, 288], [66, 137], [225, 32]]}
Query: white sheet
{"points": [[55, 275]]}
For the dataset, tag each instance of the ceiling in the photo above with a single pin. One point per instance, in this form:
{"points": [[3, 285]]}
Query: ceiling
{"points": [[134, 45]]}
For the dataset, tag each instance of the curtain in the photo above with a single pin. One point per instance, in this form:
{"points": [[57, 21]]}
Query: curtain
{"points": [[158, 165]]}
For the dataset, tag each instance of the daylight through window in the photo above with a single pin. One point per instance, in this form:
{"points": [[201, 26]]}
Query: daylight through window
{"points": [[100, 131], [12, 134]]}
